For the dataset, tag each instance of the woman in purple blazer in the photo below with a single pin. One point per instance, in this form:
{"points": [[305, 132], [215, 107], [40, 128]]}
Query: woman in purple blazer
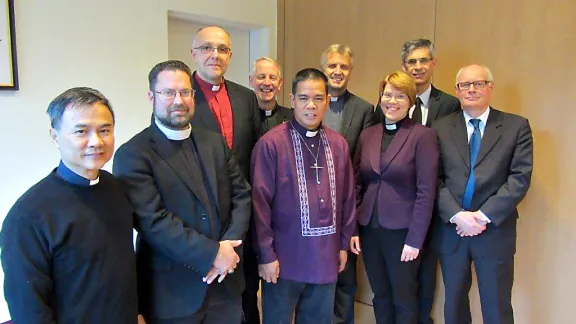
{"points": [[395, 165]]}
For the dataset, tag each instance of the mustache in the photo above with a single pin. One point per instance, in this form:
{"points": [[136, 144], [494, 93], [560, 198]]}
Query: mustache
{"points": [[179, 107]]}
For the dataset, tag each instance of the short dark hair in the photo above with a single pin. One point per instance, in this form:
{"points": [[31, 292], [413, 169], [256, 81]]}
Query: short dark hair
{"points": [[309, 74], [74, 98], [411, 45], [172, 65]]}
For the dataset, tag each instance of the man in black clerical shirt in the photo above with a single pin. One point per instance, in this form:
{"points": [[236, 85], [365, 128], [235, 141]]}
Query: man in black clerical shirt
{"points": [[266, 80], [67, 248], [348, 115]]}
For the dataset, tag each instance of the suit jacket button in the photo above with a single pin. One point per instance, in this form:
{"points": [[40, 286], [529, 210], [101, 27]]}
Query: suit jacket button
{"points": [[203, 216]]}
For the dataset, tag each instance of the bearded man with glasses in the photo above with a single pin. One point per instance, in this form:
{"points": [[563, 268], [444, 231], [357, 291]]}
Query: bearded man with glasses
{"points": [[192, 207]]}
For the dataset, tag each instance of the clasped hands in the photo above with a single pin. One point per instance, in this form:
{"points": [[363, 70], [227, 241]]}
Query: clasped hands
{"points": [[225, 262], [469, 223]]}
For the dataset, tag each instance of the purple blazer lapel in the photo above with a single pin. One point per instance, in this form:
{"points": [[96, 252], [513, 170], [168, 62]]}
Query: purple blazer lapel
{"points": [[397, 143]]}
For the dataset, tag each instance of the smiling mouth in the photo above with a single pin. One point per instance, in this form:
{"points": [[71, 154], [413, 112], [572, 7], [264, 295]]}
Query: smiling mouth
{"points": [[267, 90]]}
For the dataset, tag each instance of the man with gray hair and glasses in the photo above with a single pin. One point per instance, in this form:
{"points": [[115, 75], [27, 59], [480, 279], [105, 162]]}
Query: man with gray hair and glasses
{"points": [[486, 160], [348, 115], [419, 61]]}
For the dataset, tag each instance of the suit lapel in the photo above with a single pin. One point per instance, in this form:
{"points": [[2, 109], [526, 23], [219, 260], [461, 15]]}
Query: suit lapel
{"points": [[203, 112], [171, 152], [375, 147], [397, 143], [236, 103], [348, 113], [205, 155], [460, 137], [433, 106], [492, 134]]}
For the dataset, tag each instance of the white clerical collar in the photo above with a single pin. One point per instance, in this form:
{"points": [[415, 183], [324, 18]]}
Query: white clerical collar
{"points": [[311, 133], [333, 99], [215, 87], [390, 126], [172, 134], [425, 96], [268, 113]]}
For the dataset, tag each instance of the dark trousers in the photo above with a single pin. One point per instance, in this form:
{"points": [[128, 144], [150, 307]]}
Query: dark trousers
{"points": [[218, 307], [495, 278], [252, 278], [393, 282], [427, 276], [346, 292], [312, 303]]}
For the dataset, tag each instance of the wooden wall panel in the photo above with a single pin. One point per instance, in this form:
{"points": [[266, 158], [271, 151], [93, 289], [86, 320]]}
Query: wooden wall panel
{"points": [[374, 29]]}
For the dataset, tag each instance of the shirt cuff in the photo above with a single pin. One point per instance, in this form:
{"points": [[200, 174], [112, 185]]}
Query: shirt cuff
{"points": [[486, 218], [452, 218]]}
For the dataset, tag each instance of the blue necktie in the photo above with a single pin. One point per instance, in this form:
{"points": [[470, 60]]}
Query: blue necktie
{"points": [[474, 147]]}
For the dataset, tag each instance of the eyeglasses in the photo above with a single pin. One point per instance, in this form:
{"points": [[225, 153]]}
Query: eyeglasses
{"points": [[477, 85], [207, 49], [422, 60], [387, 96], [171, 93]]}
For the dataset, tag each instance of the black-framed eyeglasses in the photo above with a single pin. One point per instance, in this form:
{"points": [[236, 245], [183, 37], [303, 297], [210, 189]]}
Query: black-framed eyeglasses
{"points": [[387, 96], [207, 49], [481, 84], [171, 93], [422, 61]]}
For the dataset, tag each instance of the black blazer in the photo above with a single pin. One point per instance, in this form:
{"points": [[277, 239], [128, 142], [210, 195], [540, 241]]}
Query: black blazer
{"points": [[281, 115], [441, 104], [358, 114], [246, 115], [502, 172], [178, 231]]}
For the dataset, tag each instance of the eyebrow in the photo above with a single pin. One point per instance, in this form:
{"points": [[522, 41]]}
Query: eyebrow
{"points": [[86, 125]]}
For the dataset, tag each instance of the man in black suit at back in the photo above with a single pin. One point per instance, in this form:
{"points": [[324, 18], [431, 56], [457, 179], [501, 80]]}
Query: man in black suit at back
{"points": [[348, 114], [232, 110], [419, 60], [486, 158], [266, 80]]}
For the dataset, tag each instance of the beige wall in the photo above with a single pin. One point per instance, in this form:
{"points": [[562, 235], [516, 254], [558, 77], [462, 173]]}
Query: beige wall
{"points": [[106, 44], [529, 47]]}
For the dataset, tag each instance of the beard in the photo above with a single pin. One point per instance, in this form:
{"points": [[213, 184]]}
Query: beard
{"points": [[174, 122]]}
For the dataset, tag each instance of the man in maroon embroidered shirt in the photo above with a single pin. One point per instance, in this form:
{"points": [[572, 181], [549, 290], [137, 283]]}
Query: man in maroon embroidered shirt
{"points": [[231, 110]]}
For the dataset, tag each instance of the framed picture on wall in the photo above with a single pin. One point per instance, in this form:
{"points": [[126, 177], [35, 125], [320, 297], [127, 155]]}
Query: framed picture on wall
{"points": [[8, 66]]}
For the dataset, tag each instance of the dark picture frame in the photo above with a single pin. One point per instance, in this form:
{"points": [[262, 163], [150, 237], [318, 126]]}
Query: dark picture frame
{"points": [[8, 61]]}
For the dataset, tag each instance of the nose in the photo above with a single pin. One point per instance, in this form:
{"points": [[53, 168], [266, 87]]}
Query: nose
{"points": [[338, 69], [94, 139], [311, 104], [178, 97], [267, 81], [214, 52]]}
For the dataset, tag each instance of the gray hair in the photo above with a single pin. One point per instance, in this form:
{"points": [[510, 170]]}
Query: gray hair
{"points": [[267, 59], [340, 49], [411, 45], [75, 98], [486, 69]]}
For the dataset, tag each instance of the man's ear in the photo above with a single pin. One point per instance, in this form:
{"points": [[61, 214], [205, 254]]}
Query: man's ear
{"points": [[54, 137]]}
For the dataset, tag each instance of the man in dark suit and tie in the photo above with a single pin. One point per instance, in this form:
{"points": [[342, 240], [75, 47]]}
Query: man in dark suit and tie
{"points": [[192, 207], [232, 110], [485, 170], [266, 80], [419, 60], [348, 114]]}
